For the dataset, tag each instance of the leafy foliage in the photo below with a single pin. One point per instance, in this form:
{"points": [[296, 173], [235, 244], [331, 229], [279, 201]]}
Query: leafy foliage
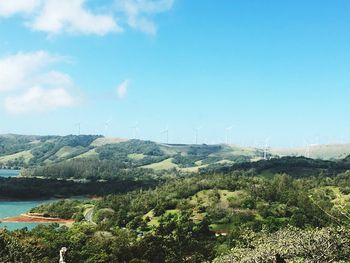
{"points": [[294, 209], [294, 245]]}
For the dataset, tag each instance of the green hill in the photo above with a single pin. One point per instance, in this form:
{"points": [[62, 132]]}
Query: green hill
{"points": [[289, 202], [18, 151], [324, 152], [21, 151]]}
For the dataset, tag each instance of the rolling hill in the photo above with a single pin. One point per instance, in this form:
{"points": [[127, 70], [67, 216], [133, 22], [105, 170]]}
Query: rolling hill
{"points": [[316, 151], [22, 151], [17, 151]]}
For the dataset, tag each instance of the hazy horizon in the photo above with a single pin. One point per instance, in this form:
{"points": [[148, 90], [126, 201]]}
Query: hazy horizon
{"points": [[258, 144]]}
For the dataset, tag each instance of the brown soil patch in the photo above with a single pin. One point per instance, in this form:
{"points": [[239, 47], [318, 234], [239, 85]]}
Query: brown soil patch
{"points": [[36, 219]]}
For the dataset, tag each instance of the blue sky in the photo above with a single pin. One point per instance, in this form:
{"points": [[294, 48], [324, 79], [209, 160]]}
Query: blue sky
{"points": [[270, 69]]}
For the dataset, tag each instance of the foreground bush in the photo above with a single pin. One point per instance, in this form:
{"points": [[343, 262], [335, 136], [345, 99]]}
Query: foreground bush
{"points": [[293, 245]]}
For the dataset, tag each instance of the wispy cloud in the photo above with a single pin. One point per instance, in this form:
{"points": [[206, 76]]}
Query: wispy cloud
{"points": [[37, 99], [138, 12], [12, 7], [122, 89], [18, 71], [74, 16], [30, 84], [59, 16]]}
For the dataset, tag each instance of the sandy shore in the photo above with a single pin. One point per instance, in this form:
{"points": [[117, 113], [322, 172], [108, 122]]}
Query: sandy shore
{"points": [[35, 219]]}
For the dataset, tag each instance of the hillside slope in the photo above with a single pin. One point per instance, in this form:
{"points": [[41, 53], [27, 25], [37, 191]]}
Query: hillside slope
{"points": [[20, 151], [324, 152], [17, 151]]}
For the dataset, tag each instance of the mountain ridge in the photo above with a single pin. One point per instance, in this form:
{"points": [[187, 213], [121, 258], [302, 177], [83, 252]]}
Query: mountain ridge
{"points": [[21, 151]]}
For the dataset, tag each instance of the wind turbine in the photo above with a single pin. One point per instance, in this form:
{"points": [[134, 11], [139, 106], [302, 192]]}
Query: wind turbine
{"points": [[307, 150], [228, 134], [309, 145], [78, 126], [135, 129], [166, 132], [196, 131], [266, 147], [107, 123]]}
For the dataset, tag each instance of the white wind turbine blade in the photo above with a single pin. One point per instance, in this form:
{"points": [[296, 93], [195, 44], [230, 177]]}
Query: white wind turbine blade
{"points": [[106, 124], [166, 132], [228, 134], [196, 130]]}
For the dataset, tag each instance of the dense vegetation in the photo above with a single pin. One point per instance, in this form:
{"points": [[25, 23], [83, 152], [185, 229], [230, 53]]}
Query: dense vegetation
{"points": [[249, 213], [17, 151], [295, 166], [153, 208], [331, 244], [32, 188], [92, 170]]}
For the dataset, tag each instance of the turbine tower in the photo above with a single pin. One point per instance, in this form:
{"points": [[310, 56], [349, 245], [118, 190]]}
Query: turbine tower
{"points": [[107, 123], [266, 147], [196, 131], [78, 127], [308, 146], [166, 132], [135, 129], [228, 134]]}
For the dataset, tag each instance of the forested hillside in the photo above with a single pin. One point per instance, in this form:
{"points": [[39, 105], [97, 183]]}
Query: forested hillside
{"points": [[17, 151], [175, 203], [295, 209]]}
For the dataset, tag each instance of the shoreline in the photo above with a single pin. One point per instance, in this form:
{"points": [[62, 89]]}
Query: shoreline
{"points": [[25, 218], [12, 199]]}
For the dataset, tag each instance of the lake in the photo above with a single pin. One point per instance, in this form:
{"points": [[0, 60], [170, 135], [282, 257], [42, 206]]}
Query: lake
{"points": [[15, 208], [8, 173]]}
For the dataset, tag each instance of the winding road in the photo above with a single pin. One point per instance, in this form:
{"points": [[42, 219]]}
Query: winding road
{"points": [[88, 215]]}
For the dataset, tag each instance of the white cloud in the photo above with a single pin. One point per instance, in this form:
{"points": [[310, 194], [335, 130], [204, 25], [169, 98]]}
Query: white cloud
{"points": [[37, 99], [137, 12], [31, 85], [17, 70], [59, 16], [122, 89], [74, 16], [12, 7], [53, 79]]}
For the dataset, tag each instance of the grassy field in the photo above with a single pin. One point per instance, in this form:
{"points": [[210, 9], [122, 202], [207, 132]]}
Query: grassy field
{"points": [[189, 158], [163, 165], [88, 154], [325, 152], [154, 220], [104, 141], [26, 155], [136, 156]]}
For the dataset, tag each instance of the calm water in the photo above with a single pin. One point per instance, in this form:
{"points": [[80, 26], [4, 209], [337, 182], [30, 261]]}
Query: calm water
{"points": [[8, 173], [15, 208]]}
